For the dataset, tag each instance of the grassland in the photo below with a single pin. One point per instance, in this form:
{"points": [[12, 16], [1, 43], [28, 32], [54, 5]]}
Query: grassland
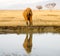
{"points": [[12, 21], [40, 18]]}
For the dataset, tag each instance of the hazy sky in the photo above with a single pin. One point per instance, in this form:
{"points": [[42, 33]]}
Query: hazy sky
{"points": [[21, 4], [20, 1]]}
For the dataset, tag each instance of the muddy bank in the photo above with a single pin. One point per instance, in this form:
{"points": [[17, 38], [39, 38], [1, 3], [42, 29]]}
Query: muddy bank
{"points": [[25, 29]]}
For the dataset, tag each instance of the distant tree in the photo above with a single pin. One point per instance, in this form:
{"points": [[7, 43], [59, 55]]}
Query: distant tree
{"points": [[39, 7], [50, 5]]}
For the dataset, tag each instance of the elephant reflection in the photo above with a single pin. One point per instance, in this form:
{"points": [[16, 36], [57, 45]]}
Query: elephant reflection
{"points": [[28, 43]]}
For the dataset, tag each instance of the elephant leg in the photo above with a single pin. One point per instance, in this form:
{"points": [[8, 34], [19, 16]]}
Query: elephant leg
{"points": [[30, 20], [27, 23]]}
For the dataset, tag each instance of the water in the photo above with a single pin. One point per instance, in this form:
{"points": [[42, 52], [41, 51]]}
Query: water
{"points": [[46, 44]]}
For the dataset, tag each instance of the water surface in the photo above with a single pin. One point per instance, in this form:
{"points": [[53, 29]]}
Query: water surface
{"points": [[46, 44]]}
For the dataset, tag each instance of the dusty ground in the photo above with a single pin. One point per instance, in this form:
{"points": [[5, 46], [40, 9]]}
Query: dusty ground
{"points": [[40, 18]]}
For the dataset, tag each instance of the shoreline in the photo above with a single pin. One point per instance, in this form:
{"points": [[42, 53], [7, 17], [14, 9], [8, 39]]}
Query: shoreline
{"points": [[29, 29]]}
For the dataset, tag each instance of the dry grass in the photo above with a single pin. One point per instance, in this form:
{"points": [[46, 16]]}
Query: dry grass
{"points": [[40, 18], [12, 21]]}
